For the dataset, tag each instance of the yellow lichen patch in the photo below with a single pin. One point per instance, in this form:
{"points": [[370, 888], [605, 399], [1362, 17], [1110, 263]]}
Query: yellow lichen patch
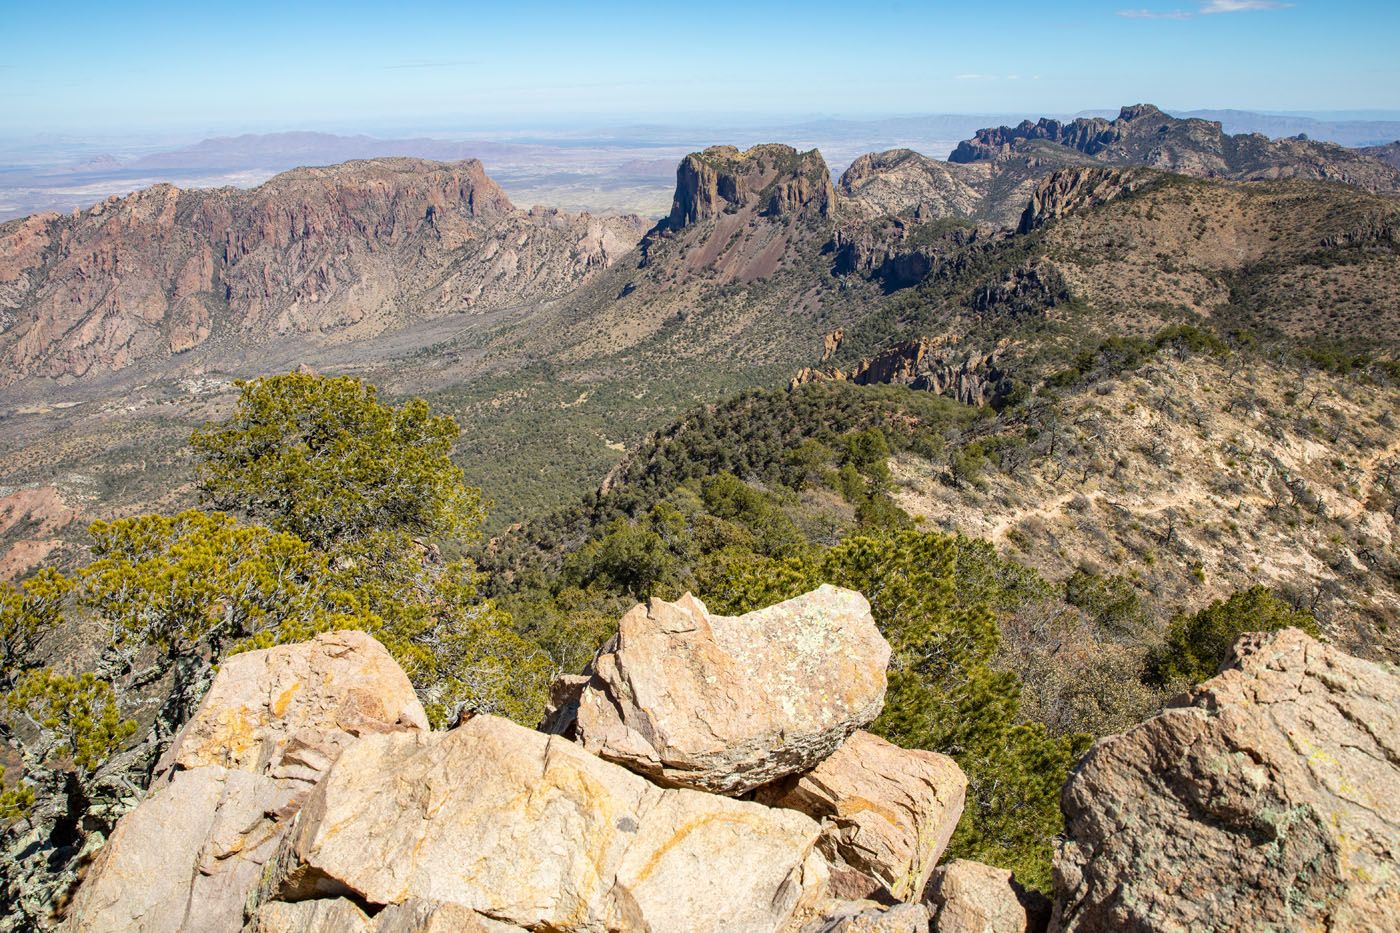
{"points": [[232, 735], [687, 829], [850, 806], [279, 705]]}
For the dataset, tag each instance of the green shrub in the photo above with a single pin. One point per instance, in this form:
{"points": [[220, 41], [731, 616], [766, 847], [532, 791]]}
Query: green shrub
{"points": [[1198, 644]]}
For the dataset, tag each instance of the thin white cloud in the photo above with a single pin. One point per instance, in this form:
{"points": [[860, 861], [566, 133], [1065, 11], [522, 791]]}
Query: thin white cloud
{"points": [[1156, 14], [1242, 6], [1208, 8]]}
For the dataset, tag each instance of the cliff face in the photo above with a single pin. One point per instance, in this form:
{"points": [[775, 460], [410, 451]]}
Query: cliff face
{"points": [[738, 216], [773, 179], [351, 249], [1144, 135]]}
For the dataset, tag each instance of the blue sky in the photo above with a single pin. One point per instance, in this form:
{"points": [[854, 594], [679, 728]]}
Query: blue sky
{"points": [[82, 66]]}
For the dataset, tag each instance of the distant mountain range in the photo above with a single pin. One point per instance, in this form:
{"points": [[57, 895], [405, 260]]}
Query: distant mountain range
{"points": [[620, 169], [560, 340], [1345, 132]]}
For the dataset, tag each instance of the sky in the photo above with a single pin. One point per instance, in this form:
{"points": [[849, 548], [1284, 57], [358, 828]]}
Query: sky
{"points": [[84, 67]]}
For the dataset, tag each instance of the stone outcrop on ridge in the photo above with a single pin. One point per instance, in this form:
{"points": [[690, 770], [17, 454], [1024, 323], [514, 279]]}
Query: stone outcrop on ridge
{"points": [[274, 720], [726, 704], [307, 797]]}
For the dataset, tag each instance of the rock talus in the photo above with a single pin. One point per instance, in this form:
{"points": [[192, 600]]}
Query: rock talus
{"points": [[1268, 798], [530, 829]]}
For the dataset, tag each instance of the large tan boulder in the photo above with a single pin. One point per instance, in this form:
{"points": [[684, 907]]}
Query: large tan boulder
{"points": [[1268, 798], [532, 830], [191, 853], [726, 704], [288, 711], [886, 812], [969, 897], [188, 856]]}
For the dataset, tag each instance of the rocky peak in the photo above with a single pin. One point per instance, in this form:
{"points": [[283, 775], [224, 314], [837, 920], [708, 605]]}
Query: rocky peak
{"points": [[1138, 111], [1144, 135], [1071, 189], [773, 179]]}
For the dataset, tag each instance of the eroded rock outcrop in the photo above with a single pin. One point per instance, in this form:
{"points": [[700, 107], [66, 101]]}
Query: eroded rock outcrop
{"points": [[886, 812], [1073, 189], [1265, 799], [775, 179], [533, 830], [726, 704], [928, 364], [272, 723], [900, 253]]}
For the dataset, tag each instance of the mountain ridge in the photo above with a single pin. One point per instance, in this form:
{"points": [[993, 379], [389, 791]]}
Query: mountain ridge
{"points": [[345, 250], [576, 344], [1144, 135]]}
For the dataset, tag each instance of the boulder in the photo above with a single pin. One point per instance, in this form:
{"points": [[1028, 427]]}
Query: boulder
{"points": [[271, 724], [886, 812], [969, 897], [1265, 798], [532, 830], [869, 917], [726, 704], [188, 856], [288, 711]]}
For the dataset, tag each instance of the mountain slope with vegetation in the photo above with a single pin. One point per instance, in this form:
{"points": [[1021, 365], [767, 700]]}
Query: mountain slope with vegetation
{"points": [[1069, 453]]}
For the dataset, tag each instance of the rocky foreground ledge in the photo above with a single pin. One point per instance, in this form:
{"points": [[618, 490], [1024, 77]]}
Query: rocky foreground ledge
{"points": [[711, 773]]}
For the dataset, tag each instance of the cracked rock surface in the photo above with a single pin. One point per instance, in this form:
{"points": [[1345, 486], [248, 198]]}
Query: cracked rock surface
{"points": [[1268, 798]]}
